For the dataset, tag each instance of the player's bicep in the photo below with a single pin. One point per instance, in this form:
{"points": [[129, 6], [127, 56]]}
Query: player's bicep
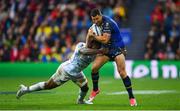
{"points": [[85, 51], [88, 51]]}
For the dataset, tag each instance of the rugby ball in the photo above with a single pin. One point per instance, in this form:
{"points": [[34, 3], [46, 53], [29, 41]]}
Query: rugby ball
{"points": [[96, 29]]}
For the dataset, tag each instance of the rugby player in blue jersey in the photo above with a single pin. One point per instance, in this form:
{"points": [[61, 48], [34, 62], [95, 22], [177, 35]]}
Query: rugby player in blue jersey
{"points": [[111, 39]]}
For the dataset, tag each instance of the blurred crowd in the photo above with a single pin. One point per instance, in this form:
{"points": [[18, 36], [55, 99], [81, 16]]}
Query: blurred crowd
{"points": [[163, 41], [48, 30]]}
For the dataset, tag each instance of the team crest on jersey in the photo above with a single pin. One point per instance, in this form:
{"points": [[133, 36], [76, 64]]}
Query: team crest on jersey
{"points": [[107, 24]]}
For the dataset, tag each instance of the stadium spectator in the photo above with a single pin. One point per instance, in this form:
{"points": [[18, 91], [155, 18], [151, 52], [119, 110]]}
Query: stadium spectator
{"points": [[163, 41], [34, 22]]}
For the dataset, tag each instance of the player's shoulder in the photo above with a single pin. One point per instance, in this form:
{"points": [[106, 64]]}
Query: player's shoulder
{"points": [[80, 45], [108, 20], [105, 17]]}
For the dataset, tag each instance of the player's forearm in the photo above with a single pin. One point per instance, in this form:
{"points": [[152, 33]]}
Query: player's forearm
{"points": [[89, 51], [103, 38]]}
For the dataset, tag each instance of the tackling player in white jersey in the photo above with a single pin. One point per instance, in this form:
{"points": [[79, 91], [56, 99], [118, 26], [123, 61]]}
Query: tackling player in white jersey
{"points": [[83, 55]]}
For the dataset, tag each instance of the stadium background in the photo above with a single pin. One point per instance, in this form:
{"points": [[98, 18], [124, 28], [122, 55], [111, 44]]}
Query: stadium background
{"points": [[37, 35]]}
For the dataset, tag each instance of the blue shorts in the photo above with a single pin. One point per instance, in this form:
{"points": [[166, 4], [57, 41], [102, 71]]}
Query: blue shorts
{"points": [[113, 52]]}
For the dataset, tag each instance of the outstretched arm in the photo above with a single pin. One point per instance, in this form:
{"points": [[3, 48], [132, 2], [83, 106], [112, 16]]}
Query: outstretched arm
{"points": [[89, 51]]}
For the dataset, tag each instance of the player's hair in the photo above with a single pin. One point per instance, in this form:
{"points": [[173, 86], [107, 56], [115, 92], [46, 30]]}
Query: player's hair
{"points": [[95, 12]]}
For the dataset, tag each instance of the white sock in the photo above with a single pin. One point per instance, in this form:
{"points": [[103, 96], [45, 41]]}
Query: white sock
{"points": [[36, 87]]}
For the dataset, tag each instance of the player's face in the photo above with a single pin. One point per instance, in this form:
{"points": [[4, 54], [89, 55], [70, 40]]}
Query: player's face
{"points": [[97, 19]]}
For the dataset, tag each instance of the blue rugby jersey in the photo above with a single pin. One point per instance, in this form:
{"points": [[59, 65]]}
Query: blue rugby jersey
{"points": [[111, 27]]}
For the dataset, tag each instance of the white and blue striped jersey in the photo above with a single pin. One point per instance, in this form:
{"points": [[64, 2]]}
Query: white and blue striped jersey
{"points": [[78, 61]]}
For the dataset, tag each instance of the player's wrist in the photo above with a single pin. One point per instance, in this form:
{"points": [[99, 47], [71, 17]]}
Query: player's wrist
{"points": [[103, 51], [100, 51]]}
